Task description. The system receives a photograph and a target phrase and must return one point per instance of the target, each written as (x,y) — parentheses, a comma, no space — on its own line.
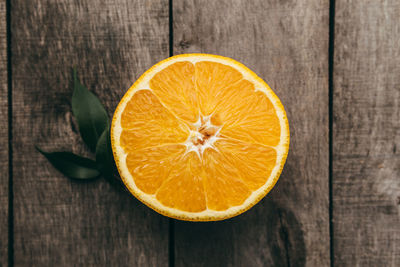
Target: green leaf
(90,114)
(71,165)
(104,155)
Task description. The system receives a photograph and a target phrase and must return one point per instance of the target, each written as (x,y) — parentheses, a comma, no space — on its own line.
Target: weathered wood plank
(285,42)
(59,222)
(3,137)
(366,136)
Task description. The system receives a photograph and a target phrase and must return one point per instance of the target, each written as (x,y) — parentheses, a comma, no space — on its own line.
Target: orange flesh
(157,122)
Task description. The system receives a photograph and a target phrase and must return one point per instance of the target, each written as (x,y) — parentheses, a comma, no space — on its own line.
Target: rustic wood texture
(59,222)
(366,136)
(286,43)
(3,137)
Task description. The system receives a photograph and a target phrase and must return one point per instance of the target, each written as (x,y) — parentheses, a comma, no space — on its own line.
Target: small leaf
(104,155)
(71,165)
(90,114)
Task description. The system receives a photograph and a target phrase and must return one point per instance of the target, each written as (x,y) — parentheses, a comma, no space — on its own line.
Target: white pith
(202,122)
(151,200)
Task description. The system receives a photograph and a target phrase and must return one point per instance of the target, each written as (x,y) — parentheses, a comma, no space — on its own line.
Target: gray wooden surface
(287,45)
(3,138)
(57,222)
(366,134)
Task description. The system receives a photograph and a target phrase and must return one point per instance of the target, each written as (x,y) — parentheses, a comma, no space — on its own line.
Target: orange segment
(223,186)
(212,80)
(184,188)
(151,166)
(175,86)
(248,115)
(252,161)
(146,123)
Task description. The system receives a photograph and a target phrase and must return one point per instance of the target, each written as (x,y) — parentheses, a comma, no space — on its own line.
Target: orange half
(200,137)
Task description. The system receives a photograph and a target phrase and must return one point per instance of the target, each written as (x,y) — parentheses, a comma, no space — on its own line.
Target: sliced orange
(200,137)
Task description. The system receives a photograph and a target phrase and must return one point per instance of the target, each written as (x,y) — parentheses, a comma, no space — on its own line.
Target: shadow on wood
(281,231)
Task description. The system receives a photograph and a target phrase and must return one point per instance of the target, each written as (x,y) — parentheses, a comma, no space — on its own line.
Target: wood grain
(366,136)
(59,222)
(3,137)
(286,43)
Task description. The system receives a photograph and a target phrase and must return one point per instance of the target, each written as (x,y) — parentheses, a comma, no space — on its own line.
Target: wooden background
(334,64)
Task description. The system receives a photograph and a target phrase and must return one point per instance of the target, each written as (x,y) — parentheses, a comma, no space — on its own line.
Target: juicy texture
(212,82)
(184,188)
(175,86)
(156,123)
(152,166)
(146,123)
